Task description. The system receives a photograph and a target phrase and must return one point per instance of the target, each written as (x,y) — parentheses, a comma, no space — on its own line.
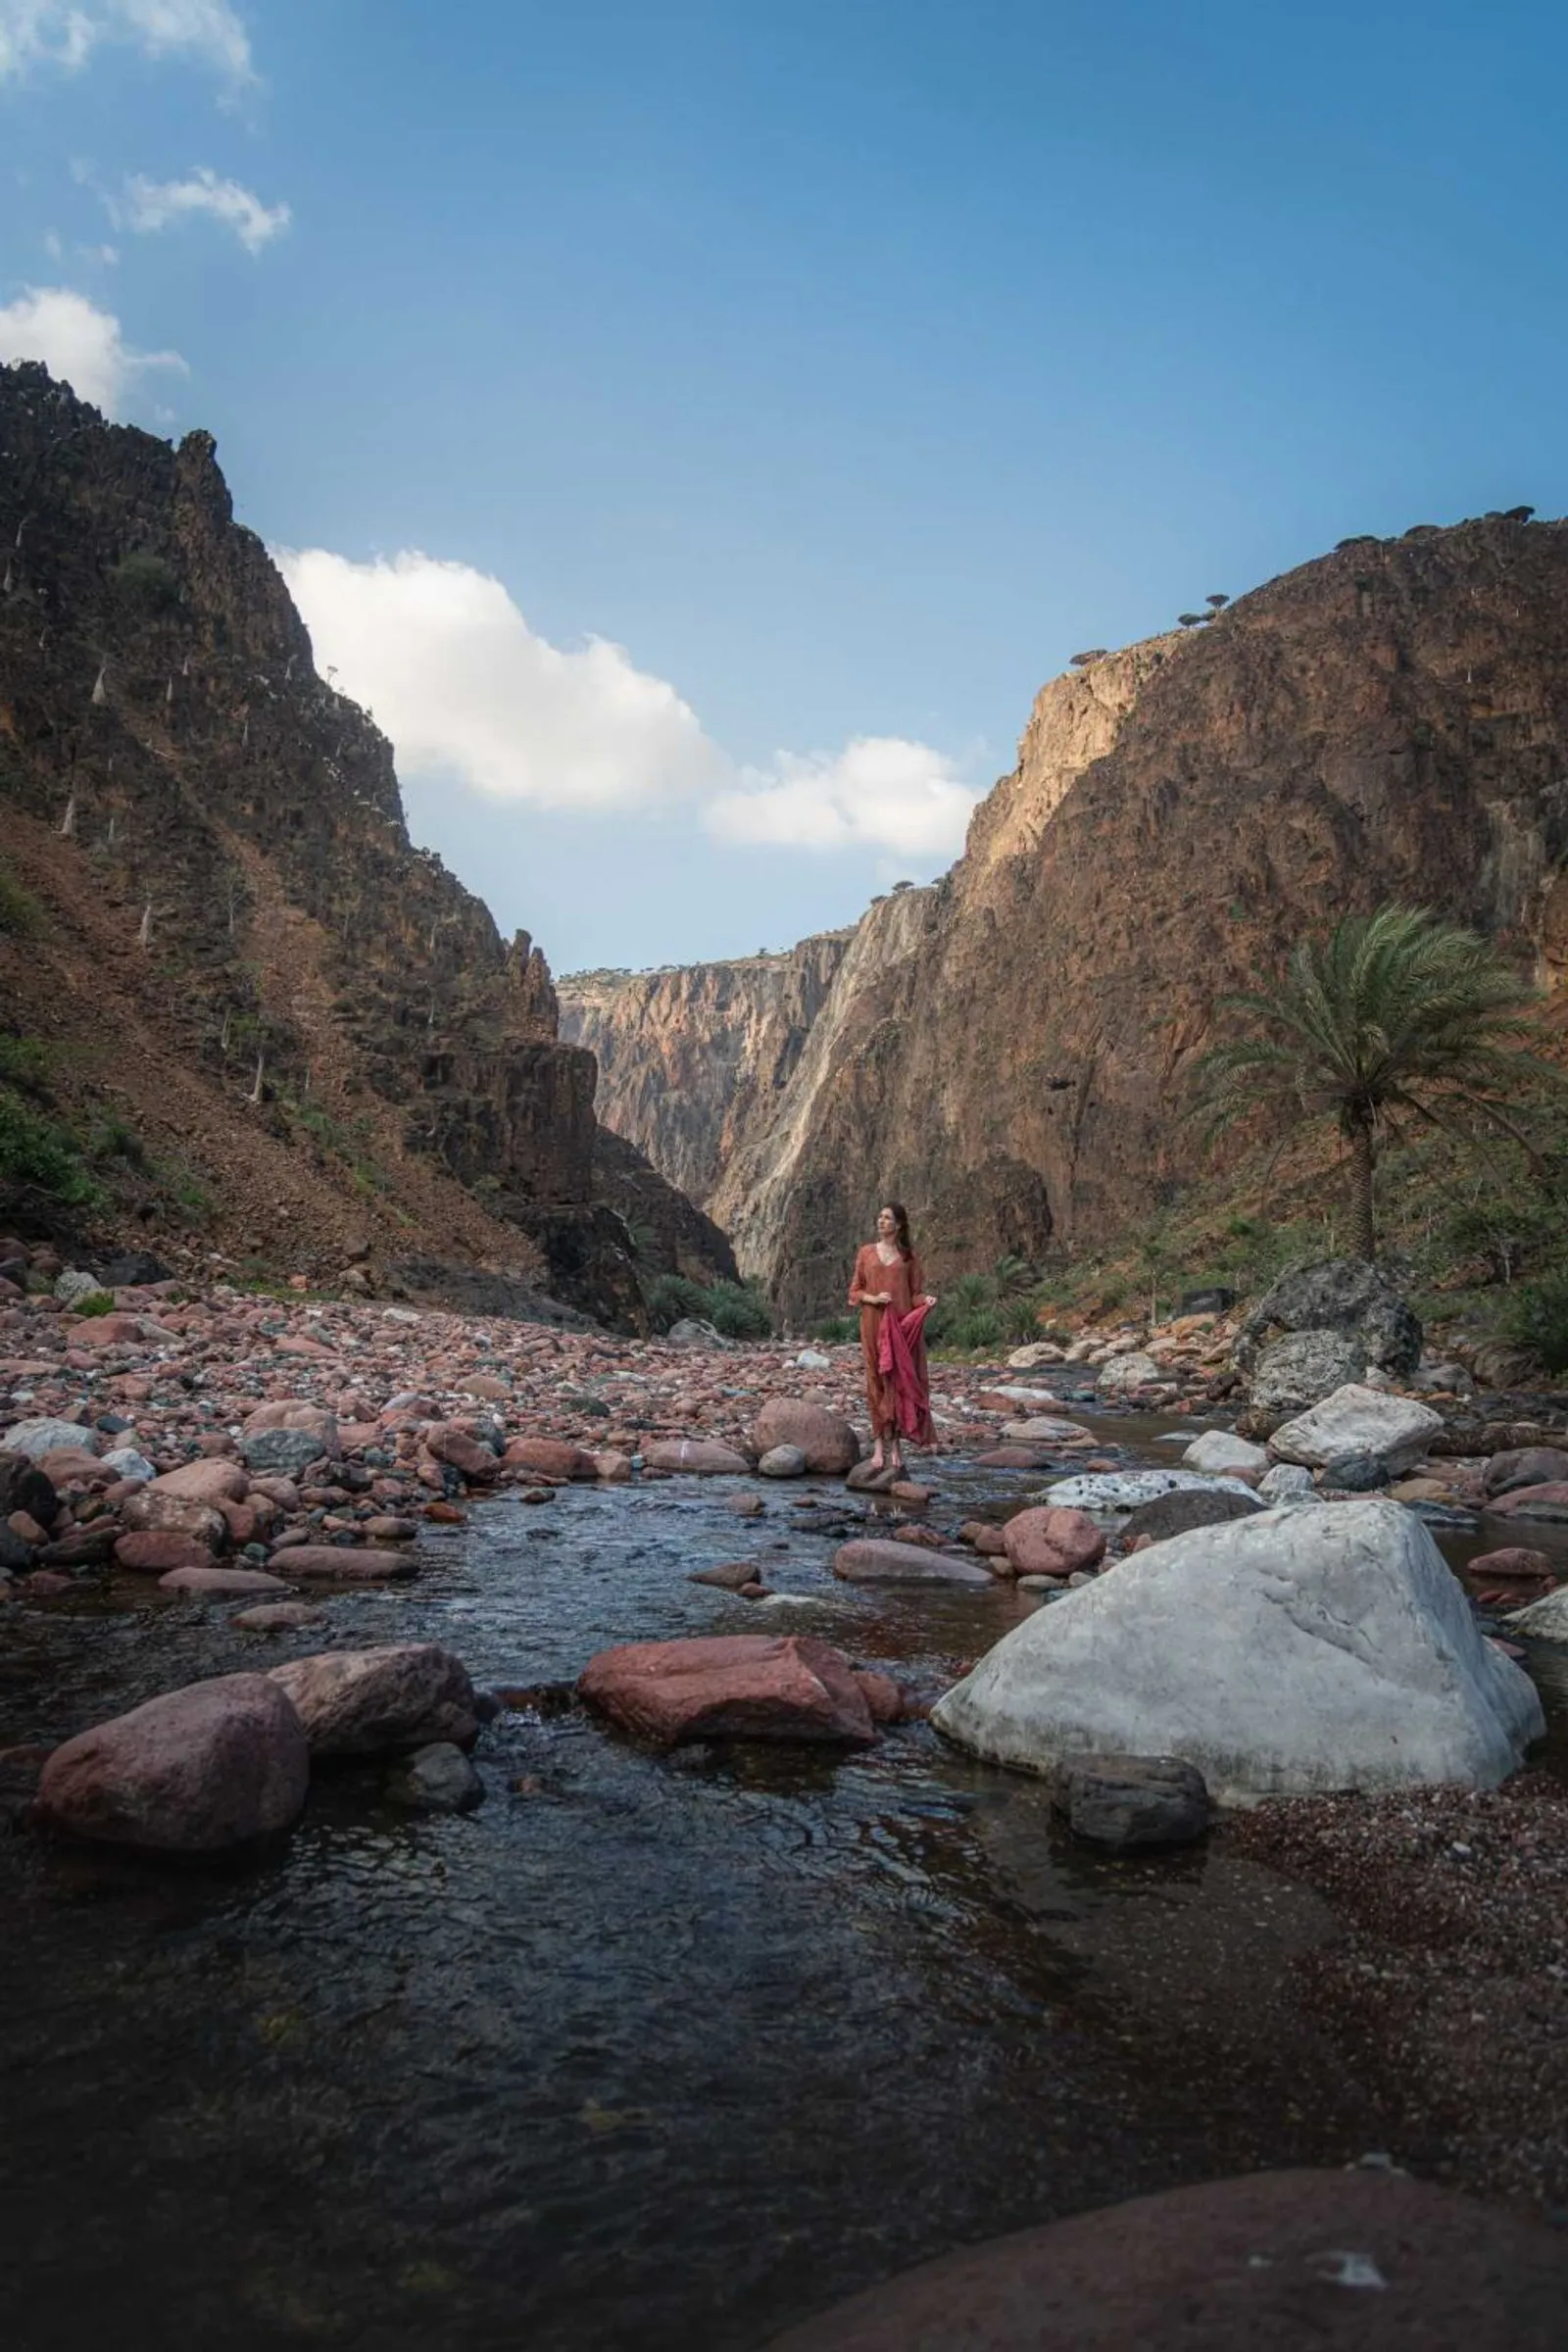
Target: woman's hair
(900,1227)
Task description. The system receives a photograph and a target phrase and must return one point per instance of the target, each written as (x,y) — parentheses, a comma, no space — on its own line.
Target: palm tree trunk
(1362,1230)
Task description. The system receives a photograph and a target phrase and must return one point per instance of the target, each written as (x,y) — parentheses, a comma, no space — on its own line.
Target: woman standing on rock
(889,1289)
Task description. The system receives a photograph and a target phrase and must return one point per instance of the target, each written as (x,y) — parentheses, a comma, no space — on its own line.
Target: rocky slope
(239,950)
(1012,1053)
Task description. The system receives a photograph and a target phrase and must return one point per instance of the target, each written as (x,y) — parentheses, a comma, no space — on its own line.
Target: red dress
(905,1282)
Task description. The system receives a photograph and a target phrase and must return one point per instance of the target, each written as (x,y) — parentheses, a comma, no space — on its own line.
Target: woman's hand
(929,1299)
(879,1297)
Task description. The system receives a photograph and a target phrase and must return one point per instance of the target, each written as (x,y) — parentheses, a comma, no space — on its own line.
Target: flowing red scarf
(901,1356)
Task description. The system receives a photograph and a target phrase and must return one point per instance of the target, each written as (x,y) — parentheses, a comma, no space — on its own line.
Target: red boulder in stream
(730,1686)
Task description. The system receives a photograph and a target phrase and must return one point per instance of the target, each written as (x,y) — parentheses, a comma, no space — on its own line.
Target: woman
(888,1280)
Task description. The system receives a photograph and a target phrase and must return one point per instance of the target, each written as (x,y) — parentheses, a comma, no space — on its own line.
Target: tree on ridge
(1397,1016)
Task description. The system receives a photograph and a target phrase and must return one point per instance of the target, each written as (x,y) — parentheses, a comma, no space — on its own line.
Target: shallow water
(650,2051)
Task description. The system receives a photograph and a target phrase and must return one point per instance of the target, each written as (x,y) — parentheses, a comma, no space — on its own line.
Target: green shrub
(148,583)
(19,912)
(34,1150)
(112,1138)
(1537,1318)
(839,1331)
(739,1310)
(24,1064)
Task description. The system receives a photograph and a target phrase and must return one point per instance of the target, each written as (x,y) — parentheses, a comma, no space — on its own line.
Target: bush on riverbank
(739,1310)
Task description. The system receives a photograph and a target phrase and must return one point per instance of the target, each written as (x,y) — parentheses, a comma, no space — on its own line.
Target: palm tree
(1397,1016)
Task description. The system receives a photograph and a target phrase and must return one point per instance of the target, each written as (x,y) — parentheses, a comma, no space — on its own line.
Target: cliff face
(161,715)
(691,1060)
(1010,1051)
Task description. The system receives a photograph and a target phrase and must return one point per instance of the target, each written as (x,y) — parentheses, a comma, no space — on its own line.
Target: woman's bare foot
(875,1465)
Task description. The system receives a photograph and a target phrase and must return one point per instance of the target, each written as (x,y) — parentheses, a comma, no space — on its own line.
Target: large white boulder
(1394,1431)
(1310,1648)
(1123,1374)
(1546,1619)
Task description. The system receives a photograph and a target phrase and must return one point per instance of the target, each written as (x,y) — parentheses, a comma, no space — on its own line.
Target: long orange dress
(905,1283)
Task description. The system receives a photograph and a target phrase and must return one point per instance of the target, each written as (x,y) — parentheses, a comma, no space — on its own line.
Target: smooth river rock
(1358,1422)
(827,1440)
(357,1702)
(193,1771)
(1311,1649)
(869,1560)
(1220,1450)
(1125,1490)
(735,1687)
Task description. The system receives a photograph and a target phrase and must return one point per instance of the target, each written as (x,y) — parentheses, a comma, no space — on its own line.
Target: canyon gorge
(1010,1050)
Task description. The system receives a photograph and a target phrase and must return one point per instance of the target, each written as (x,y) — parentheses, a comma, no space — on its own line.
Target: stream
(651,2050)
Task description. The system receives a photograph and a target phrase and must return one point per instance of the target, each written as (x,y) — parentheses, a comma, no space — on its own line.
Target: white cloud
(880,792)
(150,204)
(464,687)
(467,689)
(80,342)
(65,32)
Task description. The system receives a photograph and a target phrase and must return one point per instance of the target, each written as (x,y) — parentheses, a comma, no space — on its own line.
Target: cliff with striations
(218,840)
(1011,1053)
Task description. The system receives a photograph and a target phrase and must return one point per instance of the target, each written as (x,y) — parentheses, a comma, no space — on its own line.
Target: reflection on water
(651,2051)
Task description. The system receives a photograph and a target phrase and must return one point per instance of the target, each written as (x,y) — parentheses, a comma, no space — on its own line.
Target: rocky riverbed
(657,2045)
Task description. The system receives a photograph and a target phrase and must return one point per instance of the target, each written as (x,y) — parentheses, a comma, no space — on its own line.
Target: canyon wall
(695,1057)
(1012,1051)
(162,720)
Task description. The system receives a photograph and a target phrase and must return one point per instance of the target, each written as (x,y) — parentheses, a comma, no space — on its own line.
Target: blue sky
(697,427)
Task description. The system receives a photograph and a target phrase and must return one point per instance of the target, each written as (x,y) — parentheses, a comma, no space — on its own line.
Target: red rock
(1343,2261)
(1013,1458)
(197,1769)
(827,1440)
(613,1467)
(1047,1541)
(211,1481)
(113,1331)
(45,1582)
(379,1530)
(24,1524)
(735,1687)
(346,1563)
(159,1551)
(236,1582)
(1513,1560)
(446,1514)
(276,1616)
(982,1537)
(1551,1497)
(357,1702)
(72,1465)
(463,1453)
(914,1497)
(174,1514)
(884,1700)
(550,1457)
(869,1561)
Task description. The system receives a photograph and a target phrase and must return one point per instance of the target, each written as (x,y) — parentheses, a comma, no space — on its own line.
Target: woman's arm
(860,1293)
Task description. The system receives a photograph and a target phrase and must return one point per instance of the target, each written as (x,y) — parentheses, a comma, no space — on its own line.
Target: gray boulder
(1344,1294)
(693,1331)
(1292,1373)
(1188,1508)
(35,1439)
(1220,1450)
(1287,1482)
(1127,1802)
(1322,1646)
(1360,1432)
(285,1451)
(438,1779)
(782,1461)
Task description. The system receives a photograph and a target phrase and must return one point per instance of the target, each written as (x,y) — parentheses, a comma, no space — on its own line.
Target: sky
(697,428)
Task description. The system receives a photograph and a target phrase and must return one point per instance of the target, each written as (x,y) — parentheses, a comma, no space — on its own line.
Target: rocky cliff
(694,1059)
(218,841)
(1011,1052)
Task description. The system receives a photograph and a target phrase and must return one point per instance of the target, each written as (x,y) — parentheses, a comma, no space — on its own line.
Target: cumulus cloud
(80,342)
(65,32)
(467,690)
(150,204)
(881,792)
